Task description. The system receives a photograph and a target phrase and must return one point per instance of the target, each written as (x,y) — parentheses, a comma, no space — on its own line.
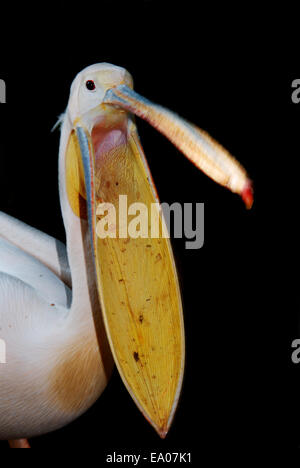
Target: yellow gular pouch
(137,279)
(139,292)
(75,184)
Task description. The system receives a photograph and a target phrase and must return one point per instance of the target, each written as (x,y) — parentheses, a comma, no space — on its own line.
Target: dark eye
(90,85)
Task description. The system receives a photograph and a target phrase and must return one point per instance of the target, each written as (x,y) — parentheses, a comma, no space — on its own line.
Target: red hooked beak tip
(247,194)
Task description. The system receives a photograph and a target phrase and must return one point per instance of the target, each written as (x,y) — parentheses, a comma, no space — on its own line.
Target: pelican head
(88,92)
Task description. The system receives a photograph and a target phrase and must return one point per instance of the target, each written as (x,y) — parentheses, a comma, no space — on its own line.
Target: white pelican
(58,306)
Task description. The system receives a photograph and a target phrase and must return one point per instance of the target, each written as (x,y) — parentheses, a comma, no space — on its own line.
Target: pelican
(67,314)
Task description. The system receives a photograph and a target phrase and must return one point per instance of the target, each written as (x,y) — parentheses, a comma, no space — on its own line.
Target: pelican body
(68,313)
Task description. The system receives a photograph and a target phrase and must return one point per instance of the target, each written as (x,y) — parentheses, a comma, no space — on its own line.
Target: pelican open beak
(136,275)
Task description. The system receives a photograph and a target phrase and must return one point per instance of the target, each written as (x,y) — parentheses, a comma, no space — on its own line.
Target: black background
(229,71)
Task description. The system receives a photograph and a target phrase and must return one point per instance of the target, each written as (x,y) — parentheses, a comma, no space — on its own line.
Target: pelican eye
(90,85)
